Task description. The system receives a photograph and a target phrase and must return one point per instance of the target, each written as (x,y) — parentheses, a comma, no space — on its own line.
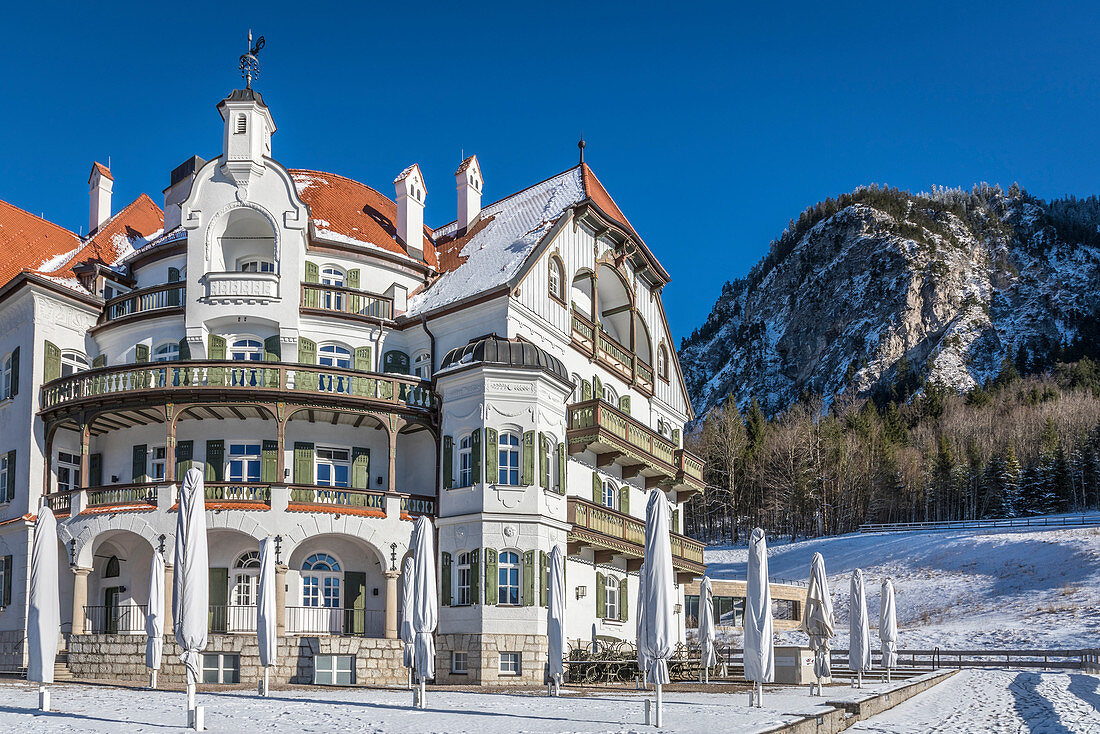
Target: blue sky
(711,124)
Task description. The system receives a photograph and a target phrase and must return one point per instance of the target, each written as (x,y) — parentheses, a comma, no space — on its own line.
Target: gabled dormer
(248,127)
(410,195)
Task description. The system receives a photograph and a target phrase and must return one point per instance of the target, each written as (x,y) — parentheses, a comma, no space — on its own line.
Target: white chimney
(469,183)
(178,190)
(410,197)
(100,183)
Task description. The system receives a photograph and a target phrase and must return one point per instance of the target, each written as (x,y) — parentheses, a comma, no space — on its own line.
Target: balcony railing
(242,287)
(122,494)
(347,301)
(335,621)
(340,496)
(60,502)
(232,618)
(594,341)
(237,492)
(416,505)
(144,300)
(625,535)
(109,383)
(121,619)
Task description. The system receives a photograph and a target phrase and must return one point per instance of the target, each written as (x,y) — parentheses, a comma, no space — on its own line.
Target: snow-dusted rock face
(885,285)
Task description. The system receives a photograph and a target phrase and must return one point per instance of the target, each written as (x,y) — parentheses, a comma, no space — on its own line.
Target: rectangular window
(5,379)
(459,662)
(5,574)
(244,462)
(510,663)
(463,589)
(465,463)
(221,667)
(508,460)
(157,456)
(334,670)
(68,471)
(4,481)
(333,466)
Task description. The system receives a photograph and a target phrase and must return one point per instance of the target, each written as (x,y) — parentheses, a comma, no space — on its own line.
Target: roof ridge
(512,196)
(40,218)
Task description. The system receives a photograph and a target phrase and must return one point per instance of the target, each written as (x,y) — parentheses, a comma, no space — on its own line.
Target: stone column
(80,599)
(169,586)
(280,600)
(391,604)
(392,485)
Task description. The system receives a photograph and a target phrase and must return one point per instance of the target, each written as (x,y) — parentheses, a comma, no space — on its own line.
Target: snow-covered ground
(109,709)
(999,702)
(960,589)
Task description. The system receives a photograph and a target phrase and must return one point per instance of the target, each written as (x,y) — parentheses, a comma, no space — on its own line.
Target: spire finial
(250,64)
(580,146)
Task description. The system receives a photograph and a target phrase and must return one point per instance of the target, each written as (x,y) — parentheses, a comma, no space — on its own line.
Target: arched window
(462,579)
(246,573)
(465,462)
(508,578)
(422,365)
(247,350)
(578,387)
(167,352)
(334,277)
(256,266)
(5,378)
(611,598)
(72,362)
(610,495)
(556,278)
(334,355)
(609,395)
(111,571)
(508,465)
(662,362)
(321,581)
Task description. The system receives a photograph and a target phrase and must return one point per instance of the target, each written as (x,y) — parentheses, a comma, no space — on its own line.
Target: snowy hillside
(881,287)
(956,589)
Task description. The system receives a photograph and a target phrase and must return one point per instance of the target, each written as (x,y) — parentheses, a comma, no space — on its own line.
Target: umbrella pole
(859,679)
(43,698)
(409,684)
(657,718)
(557,686)
(759,695)
(422,691)
(266,671)
(153,679)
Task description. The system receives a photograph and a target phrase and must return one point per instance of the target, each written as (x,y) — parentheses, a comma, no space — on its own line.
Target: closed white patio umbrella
(657,585)
(708,658)
(266,619)
(406,632)
(425,603)
(640,628)
(44,615)
(555,618)
(759,641)
(859,631)
(888,627)
(154,618)
(818,621)
(191,584)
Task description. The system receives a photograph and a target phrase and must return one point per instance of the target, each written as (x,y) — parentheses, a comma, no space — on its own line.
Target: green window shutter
(676,436)
(215,347)
(353,278)
(173,275)
(185,452)
(597,489)
(303,462)
(624,500)
(219,599)
(490,576)
(100,361)
(586,390)
(215,460)
(360,468)
(362,359)
(491,457)
(354,302)
(5,593)
(95,470)
(307,351)
(529,579)
(272,350)
(475,577)
(448,462)
(597,387)
(543,578)
(601,595)
(624,601)
(137,466)
(11,475)
(676,521)
(544,461)
(624,404)
(313,273)
(395,362)
(52,362)
(174,293)
(527,455)
(355,599)
(269,461)
(475,457)
(185,349)
(563,468)
(15,372)
(445,574)
(141,352)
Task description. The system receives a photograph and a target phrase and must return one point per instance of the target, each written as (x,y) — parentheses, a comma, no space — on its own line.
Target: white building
(338,368)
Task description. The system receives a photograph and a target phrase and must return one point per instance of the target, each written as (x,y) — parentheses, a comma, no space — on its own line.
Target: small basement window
(221,667)
(510,663)
(334,670)
(460,660)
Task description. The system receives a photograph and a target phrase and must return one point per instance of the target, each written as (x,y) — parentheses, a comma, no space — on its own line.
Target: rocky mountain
(882,290)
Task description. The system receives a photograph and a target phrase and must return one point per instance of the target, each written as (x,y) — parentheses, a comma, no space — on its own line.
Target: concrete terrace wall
(483,661)
(122,657)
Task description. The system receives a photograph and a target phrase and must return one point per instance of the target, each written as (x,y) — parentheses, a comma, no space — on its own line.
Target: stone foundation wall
(122,657)
(13,648)
(483,658)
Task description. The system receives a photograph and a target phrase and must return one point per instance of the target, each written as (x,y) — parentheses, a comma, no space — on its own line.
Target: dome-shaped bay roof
(497,350)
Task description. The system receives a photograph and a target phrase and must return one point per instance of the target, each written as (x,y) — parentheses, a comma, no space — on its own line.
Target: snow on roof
(491,254)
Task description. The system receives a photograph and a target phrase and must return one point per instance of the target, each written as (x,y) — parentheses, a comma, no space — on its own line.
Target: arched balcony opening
(243,259)
(116,594)
(337,585)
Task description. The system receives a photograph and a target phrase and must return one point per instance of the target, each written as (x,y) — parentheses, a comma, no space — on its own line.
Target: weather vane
(250,64)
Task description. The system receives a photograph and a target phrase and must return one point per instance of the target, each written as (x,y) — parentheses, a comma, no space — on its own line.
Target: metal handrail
(1008,522)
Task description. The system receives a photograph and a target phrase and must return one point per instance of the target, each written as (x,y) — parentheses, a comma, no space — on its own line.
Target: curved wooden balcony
(331,300)
(611,533)
(159,300)
(227,381)
(593,341)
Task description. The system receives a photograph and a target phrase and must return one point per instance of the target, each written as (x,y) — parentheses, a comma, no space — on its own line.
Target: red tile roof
(334,509)
(599,196)
(103,171)
(355,211)
(27,241)
(132,226)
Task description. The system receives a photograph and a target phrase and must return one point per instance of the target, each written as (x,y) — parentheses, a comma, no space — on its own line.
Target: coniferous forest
(1017,446)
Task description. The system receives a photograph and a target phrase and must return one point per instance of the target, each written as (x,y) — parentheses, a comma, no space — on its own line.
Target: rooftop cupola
(100,183)
(469,184)
(248,130)
(410,196)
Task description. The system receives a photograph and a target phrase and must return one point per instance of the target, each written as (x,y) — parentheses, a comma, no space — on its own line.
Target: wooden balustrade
(348,301)
(122,494)
(236,492)
(594,341)
(617,526)
(144,300)
(416,505)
